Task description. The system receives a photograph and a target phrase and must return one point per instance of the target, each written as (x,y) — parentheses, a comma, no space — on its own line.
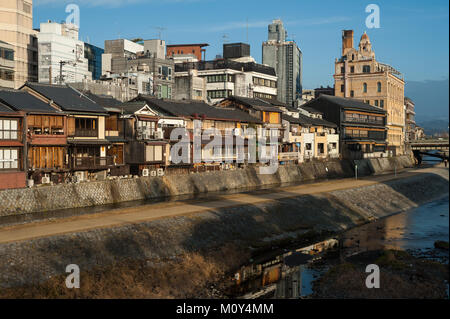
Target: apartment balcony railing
(92,162)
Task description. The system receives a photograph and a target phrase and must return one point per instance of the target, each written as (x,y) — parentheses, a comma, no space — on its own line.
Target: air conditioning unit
(160,172)
(159,135)
(79,176)
(145,172)
(30,183)
(153,173)
(45,179)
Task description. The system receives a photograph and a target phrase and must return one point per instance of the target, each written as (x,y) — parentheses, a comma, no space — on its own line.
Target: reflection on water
(290,276)
(417,229)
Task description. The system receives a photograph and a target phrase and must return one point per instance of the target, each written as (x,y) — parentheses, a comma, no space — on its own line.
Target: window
(26,8)
(9,158)
(366,68)
(308,146)
(86,127)
(7,75)
(379,87)
(342,88)
(7,54)
(264,82)
(376,102)
(219,94)
(342,70)
(352,69)
(218,78)
(264,96)
(365,87)
(382,103)
(9,130)
(352,93)
(165,73)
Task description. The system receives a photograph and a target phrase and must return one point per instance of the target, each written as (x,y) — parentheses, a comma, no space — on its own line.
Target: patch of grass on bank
(401,276)
(190,276)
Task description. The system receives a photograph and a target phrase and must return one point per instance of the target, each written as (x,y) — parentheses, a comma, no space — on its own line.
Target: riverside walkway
(119,217)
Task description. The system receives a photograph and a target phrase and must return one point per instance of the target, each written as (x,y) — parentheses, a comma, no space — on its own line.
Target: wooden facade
(12,149)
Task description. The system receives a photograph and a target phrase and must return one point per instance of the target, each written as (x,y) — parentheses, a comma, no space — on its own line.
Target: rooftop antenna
(247,29)
(160,30)
(225,38)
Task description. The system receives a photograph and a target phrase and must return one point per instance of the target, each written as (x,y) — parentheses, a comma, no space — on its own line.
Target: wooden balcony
(92,162)
(85,133)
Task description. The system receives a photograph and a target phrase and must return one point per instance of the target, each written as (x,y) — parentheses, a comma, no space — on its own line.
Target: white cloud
(105,3)
(264,23)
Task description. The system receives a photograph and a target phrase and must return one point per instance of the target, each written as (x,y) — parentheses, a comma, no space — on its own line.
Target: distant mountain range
(431,100)
(432,127)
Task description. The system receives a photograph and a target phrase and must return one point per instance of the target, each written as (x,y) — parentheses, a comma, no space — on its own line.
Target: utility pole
(50,75)
(61,63)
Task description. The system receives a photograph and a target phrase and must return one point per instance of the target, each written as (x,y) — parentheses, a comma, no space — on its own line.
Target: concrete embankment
(65,196)
(240,228)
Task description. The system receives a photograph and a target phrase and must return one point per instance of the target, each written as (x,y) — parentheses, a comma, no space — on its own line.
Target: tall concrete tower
(16,29)
(286,58)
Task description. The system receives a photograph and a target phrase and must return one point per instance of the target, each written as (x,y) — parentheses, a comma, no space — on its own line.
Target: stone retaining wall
(64,196)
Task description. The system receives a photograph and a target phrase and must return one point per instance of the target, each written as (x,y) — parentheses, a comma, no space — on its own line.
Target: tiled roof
(257,104)
(103,100)
(24,101)
(348,103)
(311,110)
(67,98)
(132,107)
(307,121)
(5,109)
(198,108)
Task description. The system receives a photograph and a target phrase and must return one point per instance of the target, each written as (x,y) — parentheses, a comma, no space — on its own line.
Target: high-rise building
(410,118)
(6,65)
(61,54)
(144,67)
(94,56)
(359,75)
(237,74)
(286,58)
(16,29)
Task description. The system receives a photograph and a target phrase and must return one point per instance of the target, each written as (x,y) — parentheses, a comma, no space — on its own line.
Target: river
(415,231)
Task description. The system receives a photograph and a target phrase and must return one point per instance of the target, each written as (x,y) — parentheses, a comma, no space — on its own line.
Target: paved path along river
(118,217)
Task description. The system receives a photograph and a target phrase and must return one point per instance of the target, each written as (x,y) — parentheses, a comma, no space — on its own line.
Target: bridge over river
(429,148)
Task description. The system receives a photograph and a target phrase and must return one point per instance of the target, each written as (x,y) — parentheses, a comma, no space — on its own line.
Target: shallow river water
(415,231)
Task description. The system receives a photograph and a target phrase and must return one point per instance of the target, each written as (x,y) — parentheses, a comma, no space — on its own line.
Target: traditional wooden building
(46,136)
(362,127)
(87,145)
(12,148)
(114,133)
(224,120)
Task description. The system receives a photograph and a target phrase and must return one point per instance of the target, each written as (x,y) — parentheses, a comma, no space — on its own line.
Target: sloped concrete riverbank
(206,245)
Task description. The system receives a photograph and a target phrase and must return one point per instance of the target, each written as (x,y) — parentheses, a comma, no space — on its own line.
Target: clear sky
(414,35)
